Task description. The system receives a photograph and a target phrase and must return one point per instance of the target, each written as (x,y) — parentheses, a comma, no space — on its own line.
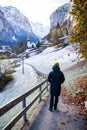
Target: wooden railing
(22,99)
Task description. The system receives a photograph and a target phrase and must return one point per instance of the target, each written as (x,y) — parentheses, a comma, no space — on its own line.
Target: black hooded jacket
(56,78)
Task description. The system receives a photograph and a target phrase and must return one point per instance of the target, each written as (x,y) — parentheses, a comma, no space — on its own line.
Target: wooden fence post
(24,105)
(40,88)
(47,86)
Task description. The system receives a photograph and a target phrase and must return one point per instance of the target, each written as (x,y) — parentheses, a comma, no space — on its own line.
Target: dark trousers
(53,101)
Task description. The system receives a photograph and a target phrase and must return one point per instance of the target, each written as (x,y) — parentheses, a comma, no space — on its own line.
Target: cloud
(53,1)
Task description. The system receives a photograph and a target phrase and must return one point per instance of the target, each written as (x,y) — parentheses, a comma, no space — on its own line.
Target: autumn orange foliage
(80,98)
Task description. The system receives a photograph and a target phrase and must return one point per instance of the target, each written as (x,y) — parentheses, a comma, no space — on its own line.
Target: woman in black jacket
(56,78)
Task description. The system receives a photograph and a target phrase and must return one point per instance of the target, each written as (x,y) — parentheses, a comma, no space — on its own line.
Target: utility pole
(28,43)
(22,65)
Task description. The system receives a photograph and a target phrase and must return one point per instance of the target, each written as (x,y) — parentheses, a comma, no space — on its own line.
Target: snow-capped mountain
(15,26)
(16,18)
(39,29)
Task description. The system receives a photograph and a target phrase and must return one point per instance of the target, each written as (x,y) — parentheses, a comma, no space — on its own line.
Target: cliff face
(61,17)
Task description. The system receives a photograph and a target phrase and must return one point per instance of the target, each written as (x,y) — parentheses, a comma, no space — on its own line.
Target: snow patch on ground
(44,61)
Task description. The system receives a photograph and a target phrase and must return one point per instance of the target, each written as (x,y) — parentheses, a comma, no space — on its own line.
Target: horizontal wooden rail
(13,103)
(8,106)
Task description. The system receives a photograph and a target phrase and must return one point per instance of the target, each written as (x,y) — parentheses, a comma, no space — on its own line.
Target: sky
(35,10)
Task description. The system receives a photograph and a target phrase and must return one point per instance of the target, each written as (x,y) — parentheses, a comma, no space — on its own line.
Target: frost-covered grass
(72,76)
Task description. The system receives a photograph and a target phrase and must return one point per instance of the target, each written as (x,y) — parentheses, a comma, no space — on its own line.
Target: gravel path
(66,119)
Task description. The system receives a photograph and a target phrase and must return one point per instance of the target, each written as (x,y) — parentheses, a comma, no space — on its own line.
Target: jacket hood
(56,68)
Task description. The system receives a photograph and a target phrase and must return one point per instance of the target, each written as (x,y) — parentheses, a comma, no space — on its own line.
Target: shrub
(4,79)
(10,71)
(3,57)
